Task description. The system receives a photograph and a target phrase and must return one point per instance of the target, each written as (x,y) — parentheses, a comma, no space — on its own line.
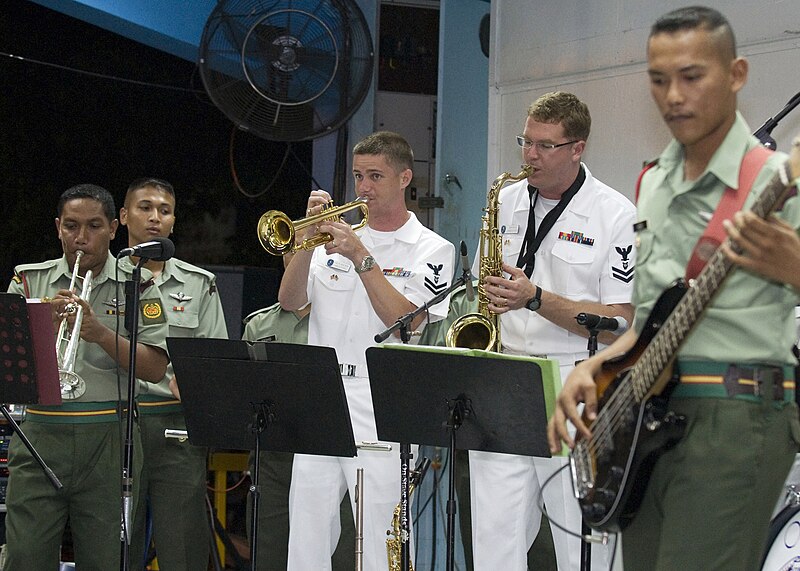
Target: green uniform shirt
(92,363)
(275,324)
(193,309)
(751,319)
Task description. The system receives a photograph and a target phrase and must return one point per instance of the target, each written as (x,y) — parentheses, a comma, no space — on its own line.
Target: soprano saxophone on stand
(397,536)
(482,330)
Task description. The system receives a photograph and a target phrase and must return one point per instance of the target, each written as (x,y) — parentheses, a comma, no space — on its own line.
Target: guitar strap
(731,202)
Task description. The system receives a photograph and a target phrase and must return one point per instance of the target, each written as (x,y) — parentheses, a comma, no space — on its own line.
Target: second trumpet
(276,232)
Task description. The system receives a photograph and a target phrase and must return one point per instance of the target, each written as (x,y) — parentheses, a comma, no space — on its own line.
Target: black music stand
(496,403)
(28,367)
(280,397)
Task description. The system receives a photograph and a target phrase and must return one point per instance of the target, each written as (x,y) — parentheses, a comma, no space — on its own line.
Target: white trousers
(319,483)
(506,492)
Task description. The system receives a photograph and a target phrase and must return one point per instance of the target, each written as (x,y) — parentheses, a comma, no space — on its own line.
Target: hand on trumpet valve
(318,200)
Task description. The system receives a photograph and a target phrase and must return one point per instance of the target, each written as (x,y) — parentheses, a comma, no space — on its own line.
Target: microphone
(158,249)
(602,323)
(467,273)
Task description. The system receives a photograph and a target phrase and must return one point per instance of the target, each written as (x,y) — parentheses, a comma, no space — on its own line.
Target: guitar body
(642,429)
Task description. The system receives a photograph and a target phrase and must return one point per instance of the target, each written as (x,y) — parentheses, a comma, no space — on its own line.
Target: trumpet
(276,232)
(71,384)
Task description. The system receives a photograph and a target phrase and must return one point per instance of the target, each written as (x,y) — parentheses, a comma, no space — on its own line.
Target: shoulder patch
(434,282)
(621,264)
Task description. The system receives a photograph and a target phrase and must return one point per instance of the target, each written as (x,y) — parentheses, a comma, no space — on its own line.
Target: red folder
(28,363)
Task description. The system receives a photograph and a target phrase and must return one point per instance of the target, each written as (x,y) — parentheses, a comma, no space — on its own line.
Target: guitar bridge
(581,470)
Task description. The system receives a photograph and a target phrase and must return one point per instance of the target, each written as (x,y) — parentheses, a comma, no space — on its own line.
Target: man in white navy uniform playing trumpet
(567,249)
(359,284)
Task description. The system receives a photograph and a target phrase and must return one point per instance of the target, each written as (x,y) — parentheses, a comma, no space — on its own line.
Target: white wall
(596,49)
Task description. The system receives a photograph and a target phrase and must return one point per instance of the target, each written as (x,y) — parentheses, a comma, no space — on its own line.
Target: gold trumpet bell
(472,331)
(276,233)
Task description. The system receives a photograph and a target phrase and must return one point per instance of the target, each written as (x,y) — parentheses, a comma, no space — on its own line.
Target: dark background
(60,127)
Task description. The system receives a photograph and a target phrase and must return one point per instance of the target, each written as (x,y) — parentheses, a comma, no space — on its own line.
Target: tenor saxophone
(482,330)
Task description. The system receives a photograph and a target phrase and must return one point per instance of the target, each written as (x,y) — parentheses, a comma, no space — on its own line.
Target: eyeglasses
(526,144)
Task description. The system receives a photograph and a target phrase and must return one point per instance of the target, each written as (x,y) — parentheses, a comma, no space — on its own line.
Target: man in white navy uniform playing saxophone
(583,264)
(359,284)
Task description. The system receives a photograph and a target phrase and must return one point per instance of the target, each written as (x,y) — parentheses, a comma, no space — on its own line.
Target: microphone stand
(402,324)
(132,324)
(763,133)
(586,531)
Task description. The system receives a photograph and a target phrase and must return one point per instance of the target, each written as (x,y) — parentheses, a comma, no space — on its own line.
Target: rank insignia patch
(152,312)
(623,269)
(435,284)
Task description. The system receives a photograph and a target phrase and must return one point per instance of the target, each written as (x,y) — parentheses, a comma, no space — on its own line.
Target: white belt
(562,358)
(349,370)
(567,358)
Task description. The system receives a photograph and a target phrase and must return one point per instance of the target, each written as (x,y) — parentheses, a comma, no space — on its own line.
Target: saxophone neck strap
(534,237)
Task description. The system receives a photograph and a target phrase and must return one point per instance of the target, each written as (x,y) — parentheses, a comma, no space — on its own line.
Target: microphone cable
(603,539)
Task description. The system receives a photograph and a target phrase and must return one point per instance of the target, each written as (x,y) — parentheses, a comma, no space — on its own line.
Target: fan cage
(287,70)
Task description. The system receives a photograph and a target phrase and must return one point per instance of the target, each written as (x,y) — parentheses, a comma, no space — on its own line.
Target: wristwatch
(535,302)
(366,264)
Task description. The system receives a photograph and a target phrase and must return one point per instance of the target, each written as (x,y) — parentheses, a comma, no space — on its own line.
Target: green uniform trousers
(173,488)
(87,460)
(710,498)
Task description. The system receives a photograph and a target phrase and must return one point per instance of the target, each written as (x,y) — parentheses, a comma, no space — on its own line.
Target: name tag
(339,263)
(510,229)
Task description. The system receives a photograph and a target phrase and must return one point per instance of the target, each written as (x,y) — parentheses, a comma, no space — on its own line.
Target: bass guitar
(634,425)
